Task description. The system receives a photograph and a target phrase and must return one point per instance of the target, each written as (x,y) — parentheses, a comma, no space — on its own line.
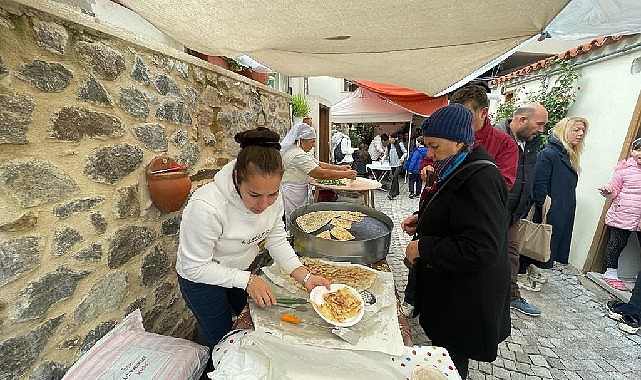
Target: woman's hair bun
(260,136)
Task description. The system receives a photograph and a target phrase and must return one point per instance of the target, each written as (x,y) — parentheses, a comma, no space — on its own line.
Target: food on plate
(334,182)
(340,305)
(341,234)
(324,235)
(356,276)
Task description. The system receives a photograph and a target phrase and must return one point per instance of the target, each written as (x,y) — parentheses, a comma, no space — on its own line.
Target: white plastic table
(379,170)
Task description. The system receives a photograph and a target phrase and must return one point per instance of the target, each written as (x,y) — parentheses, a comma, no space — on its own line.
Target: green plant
(236,66)
(505,111)
(355,137)
(556,97)
(300,108)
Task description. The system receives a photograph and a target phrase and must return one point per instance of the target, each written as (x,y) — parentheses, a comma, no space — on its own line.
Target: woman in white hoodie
(221,227)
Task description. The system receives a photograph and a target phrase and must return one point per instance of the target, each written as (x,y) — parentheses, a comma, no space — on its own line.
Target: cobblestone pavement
(572,339)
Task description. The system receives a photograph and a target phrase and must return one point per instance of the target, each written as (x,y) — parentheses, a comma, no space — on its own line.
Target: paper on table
(379,329)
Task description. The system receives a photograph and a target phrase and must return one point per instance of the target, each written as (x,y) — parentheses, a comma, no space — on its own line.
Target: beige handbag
(534,238)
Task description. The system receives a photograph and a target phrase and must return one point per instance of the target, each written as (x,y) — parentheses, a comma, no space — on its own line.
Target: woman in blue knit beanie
(459,250)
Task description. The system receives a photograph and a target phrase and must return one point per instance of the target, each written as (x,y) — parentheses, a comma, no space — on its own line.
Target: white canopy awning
(428,46)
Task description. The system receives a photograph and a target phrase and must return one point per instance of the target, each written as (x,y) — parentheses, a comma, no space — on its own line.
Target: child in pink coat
(624,215)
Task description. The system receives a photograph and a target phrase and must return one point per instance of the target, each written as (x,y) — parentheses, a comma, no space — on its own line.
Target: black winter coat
(519,197)
(463,273)
(556,177)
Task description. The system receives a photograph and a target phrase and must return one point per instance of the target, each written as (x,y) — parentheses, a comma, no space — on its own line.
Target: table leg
(316,194)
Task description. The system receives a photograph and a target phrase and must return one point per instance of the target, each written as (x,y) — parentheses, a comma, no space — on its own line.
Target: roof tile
(568,54)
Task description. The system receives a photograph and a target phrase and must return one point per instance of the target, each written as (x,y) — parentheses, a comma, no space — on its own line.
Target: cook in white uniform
(300,164)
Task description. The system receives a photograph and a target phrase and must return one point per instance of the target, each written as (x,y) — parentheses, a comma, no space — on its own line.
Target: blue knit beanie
(452,122)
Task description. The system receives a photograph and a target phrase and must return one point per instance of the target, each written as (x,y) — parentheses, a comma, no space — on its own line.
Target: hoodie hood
(224,182)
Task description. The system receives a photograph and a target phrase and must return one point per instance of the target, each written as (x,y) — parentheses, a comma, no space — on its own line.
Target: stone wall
(82,112)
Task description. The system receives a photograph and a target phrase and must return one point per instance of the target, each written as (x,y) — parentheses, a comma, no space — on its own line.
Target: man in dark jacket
(528,122)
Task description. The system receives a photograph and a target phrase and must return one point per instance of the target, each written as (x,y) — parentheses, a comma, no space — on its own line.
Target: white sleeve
(346,146)
(200,229)
(278,246)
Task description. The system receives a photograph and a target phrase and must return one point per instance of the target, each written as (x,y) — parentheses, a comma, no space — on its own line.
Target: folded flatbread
(313,221)
(341,234)
(324,235)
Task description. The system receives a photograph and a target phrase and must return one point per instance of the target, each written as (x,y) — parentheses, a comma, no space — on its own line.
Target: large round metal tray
(372,235)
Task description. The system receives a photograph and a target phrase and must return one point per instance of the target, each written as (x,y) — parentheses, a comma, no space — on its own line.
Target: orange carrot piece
(290,318)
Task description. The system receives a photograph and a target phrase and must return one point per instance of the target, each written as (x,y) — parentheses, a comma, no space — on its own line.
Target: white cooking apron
(295,195)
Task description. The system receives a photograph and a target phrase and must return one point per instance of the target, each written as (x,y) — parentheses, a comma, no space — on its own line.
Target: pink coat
(625,210)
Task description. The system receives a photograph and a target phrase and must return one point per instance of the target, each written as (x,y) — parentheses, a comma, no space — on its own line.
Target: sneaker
(528,283)
(536,274)
(614,309)
(520,304)
(407,309)
(629,323)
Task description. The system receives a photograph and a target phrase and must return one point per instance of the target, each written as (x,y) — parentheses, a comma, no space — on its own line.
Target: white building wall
(607,97)
(328,88)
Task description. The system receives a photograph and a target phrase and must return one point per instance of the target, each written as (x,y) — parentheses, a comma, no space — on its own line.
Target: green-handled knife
(292,301)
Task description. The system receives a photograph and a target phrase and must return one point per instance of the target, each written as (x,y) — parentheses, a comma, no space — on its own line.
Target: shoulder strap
(473,163)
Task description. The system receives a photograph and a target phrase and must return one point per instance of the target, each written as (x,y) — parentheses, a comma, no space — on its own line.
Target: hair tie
(260,141)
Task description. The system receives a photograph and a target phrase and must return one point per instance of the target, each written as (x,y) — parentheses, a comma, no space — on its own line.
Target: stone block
(18,256)
(111,164)
(16,111)
(152,136)
(102,60)
(45,76)
(94,92)
(75,123)
(77,205)
(127,242)
(105,295)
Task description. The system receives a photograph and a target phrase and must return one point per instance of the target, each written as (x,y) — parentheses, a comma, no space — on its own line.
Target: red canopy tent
(412,100)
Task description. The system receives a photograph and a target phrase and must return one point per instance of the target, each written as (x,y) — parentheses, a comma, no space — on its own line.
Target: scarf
(446,166)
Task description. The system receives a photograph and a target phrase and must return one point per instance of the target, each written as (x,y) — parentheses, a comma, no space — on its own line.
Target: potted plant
(300,108)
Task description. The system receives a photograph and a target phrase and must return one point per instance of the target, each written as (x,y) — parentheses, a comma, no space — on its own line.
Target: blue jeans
(212,305)
(416,184)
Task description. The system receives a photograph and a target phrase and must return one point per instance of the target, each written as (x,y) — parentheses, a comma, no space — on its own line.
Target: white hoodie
(219,235)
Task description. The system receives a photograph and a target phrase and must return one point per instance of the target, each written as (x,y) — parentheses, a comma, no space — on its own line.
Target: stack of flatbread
(356,276)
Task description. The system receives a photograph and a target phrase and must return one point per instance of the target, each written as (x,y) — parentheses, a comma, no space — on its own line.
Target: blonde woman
(556,174)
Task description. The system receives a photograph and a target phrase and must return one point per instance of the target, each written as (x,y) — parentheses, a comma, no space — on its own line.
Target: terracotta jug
(168,190)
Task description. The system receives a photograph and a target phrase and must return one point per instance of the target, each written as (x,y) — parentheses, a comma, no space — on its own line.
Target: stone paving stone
(539,360)
(522,357)
(485,367)
(542,372)
(500,373)
(476,376)
(523,367)
(547,352)
(557,374)
(556,363)
(573,335)
(510,365)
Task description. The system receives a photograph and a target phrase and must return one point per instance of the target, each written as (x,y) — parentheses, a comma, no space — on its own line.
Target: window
(349,86)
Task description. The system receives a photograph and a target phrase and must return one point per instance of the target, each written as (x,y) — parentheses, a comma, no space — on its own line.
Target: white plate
(316,296)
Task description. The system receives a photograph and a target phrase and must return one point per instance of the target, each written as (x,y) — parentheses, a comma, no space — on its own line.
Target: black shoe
(614,309)
(629,323)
